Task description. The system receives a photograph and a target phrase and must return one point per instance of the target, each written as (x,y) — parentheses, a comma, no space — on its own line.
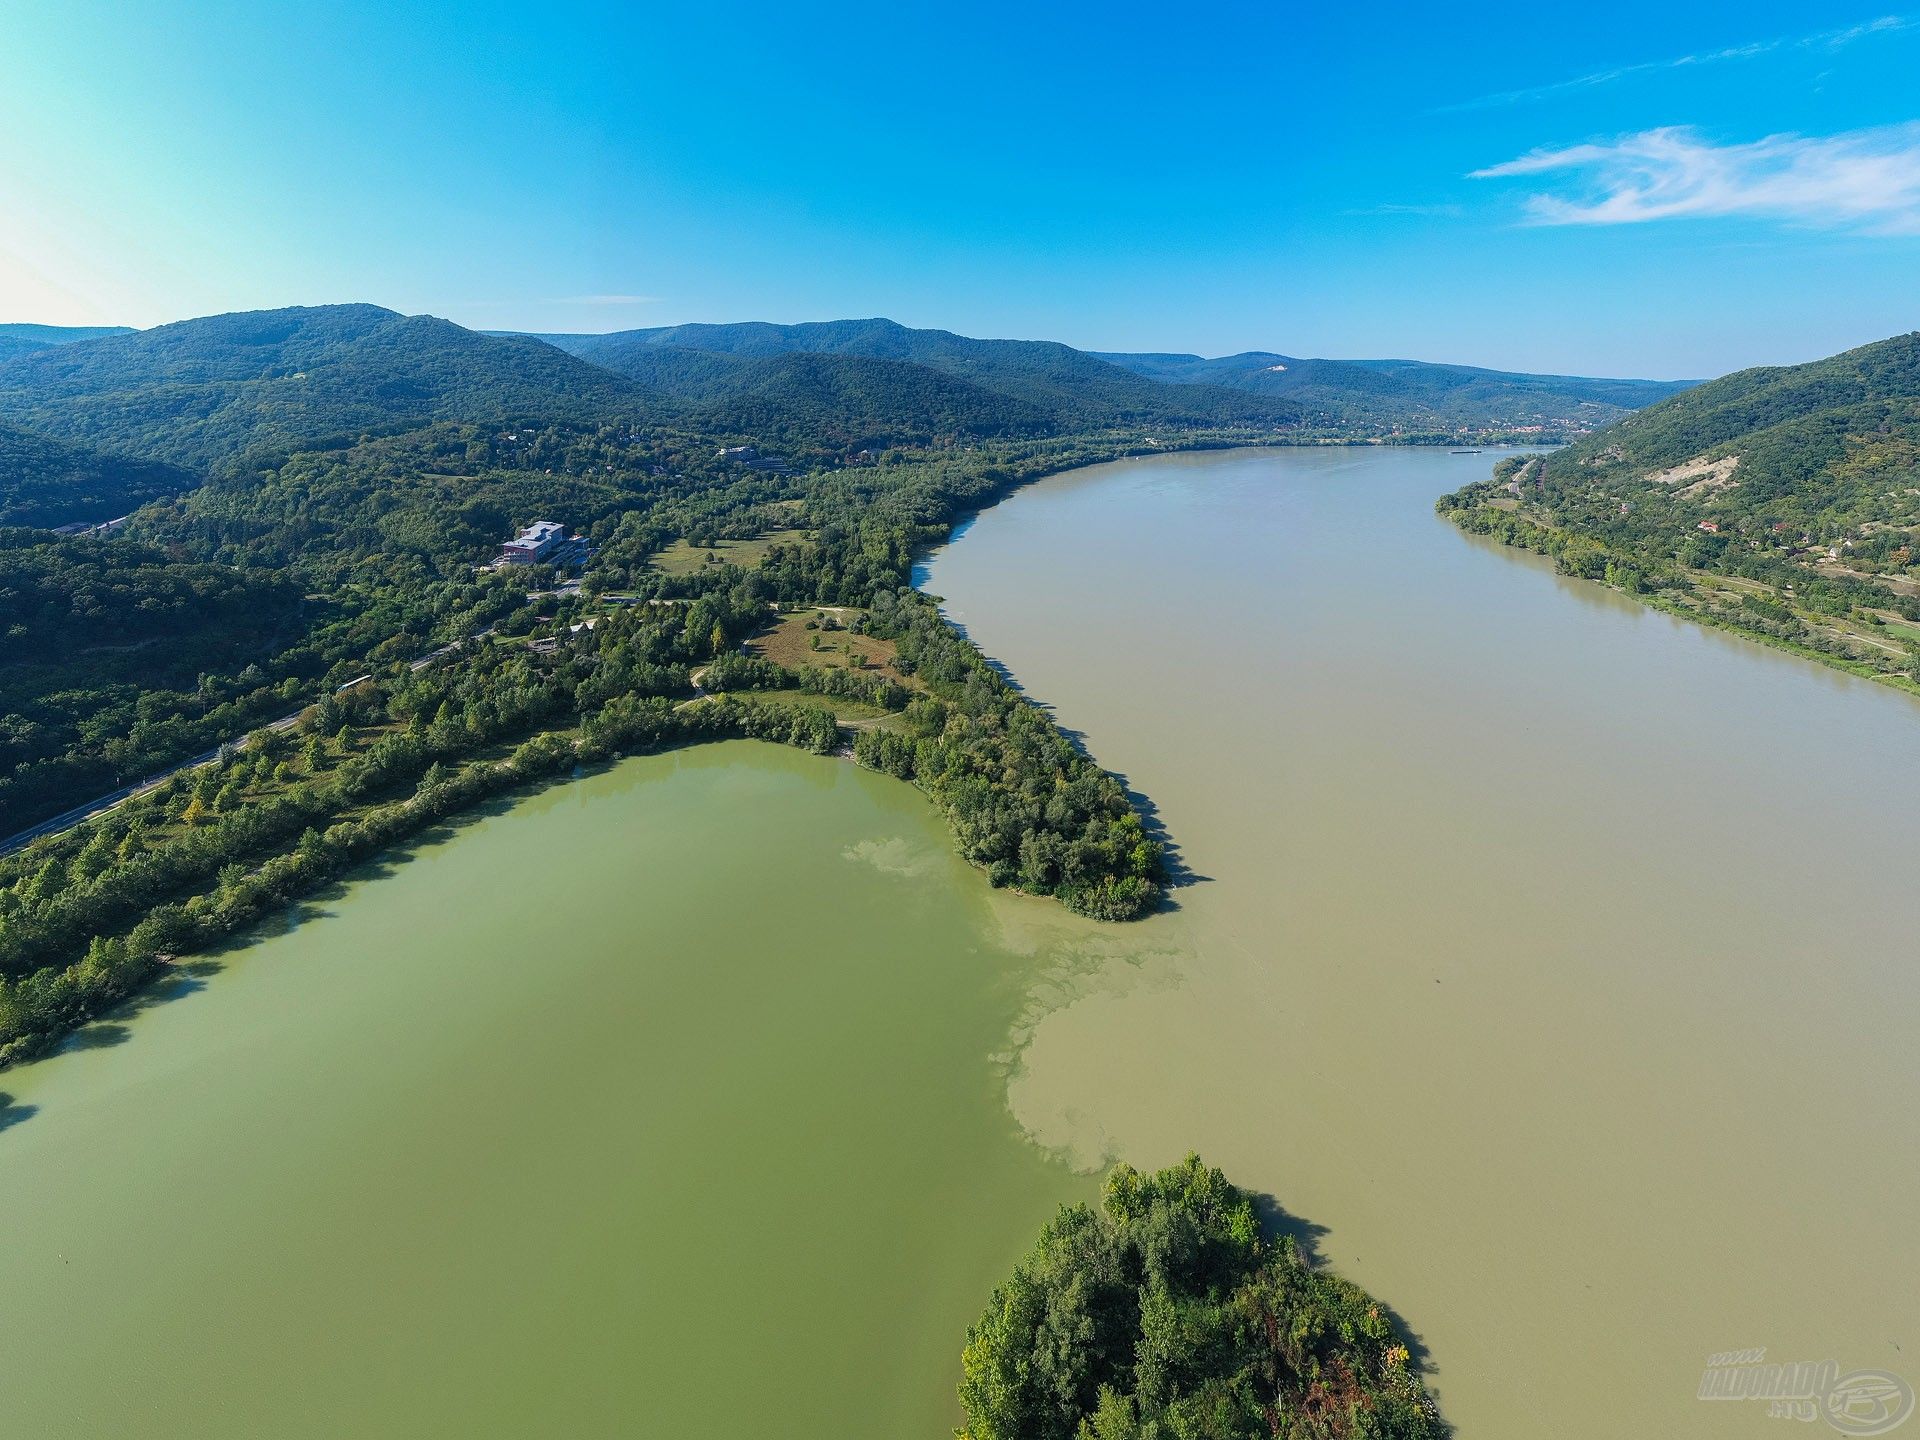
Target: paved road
(68,819)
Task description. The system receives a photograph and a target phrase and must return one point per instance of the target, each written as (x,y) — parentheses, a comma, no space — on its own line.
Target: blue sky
(1647,189)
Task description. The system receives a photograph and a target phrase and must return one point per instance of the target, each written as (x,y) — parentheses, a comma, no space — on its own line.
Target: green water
(664,1103)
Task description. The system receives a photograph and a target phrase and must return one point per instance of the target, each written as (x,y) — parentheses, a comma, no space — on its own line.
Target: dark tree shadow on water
(1179,873)
(114,1027)
(12,1113)
(97,1035)
(1279,1222)
(190,974)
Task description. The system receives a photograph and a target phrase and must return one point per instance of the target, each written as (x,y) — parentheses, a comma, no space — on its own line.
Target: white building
(534,544)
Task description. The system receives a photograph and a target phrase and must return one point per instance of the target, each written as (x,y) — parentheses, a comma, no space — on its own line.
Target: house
(1712,527)
(750,455)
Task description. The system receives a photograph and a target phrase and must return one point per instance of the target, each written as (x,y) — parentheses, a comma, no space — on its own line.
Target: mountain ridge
(1384,395)
(1072,386)
(210,391)
(1781,501)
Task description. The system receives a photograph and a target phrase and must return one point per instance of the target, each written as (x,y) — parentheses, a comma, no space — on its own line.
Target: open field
(790,642)
(681,558)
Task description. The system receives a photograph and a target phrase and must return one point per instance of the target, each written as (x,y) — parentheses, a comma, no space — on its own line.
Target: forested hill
(1791,431)
(49,483)
(211,393)
(1412,393)
(1069,387)
(1784,462)
(1361,397)
(25,339)
(1800,484)
(845,401)
(202,393)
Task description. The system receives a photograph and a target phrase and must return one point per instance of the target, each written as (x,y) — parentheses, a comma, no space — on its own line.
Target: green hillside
(433,502)
(117,658)
(1783,501)
(201,393)
(1070,387)
(47,483)
(852,401)
(1413,393)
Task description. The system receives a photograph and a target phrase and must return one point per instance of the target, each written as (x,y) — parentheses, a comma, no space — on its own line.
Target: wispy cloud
(605,300)
(1867,180)
(1827,40)
(1389,208)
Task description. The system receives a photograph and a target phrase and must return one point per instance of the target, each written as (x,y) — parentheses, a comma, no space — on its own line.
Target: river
(1547,959)
(1551,960)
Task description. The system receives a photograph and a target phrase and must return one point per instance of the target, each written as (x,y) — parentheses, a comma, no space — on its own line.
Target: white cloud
(1818,40)
(1866,180)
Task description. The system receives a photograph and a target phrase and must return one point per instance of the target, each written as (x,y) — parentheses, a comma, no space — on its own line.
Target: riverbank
(1751,608)
(77,935)
(90,915)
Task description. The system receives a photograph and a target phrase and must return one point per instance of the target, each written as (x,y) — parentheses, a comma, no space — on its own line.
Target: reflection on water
(1557,956)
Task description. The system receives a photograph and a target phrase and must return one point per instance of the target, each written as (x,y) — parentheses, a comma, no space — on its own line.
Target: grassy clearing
(790,641)
(681,558)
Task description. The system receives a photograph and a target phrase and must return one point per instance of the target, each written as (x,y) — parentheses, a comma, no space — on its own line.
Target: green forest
(1167,1314)
(46,483)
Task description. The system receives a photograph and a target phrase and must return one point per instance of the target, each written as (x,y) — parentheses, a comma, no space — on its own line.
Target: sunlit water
(1555,957)
(662,1104)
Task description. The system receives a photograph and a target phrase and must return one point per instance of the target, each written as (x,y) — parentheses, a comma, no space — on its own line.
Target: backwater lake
(1548,960)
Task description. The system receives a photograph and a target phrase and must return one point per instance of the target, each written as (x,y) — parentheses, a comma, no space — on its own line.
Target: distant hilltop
(207,396)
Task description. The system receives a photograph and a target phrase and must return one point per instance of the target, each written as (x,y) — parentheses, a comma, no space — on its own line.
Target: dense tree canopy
(1166,1315)
(47,483)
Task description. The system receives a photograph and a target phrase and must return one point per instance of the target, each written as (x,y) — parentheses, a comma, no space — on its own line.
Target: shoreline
(1535,537)
(101,964)
(104,981)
